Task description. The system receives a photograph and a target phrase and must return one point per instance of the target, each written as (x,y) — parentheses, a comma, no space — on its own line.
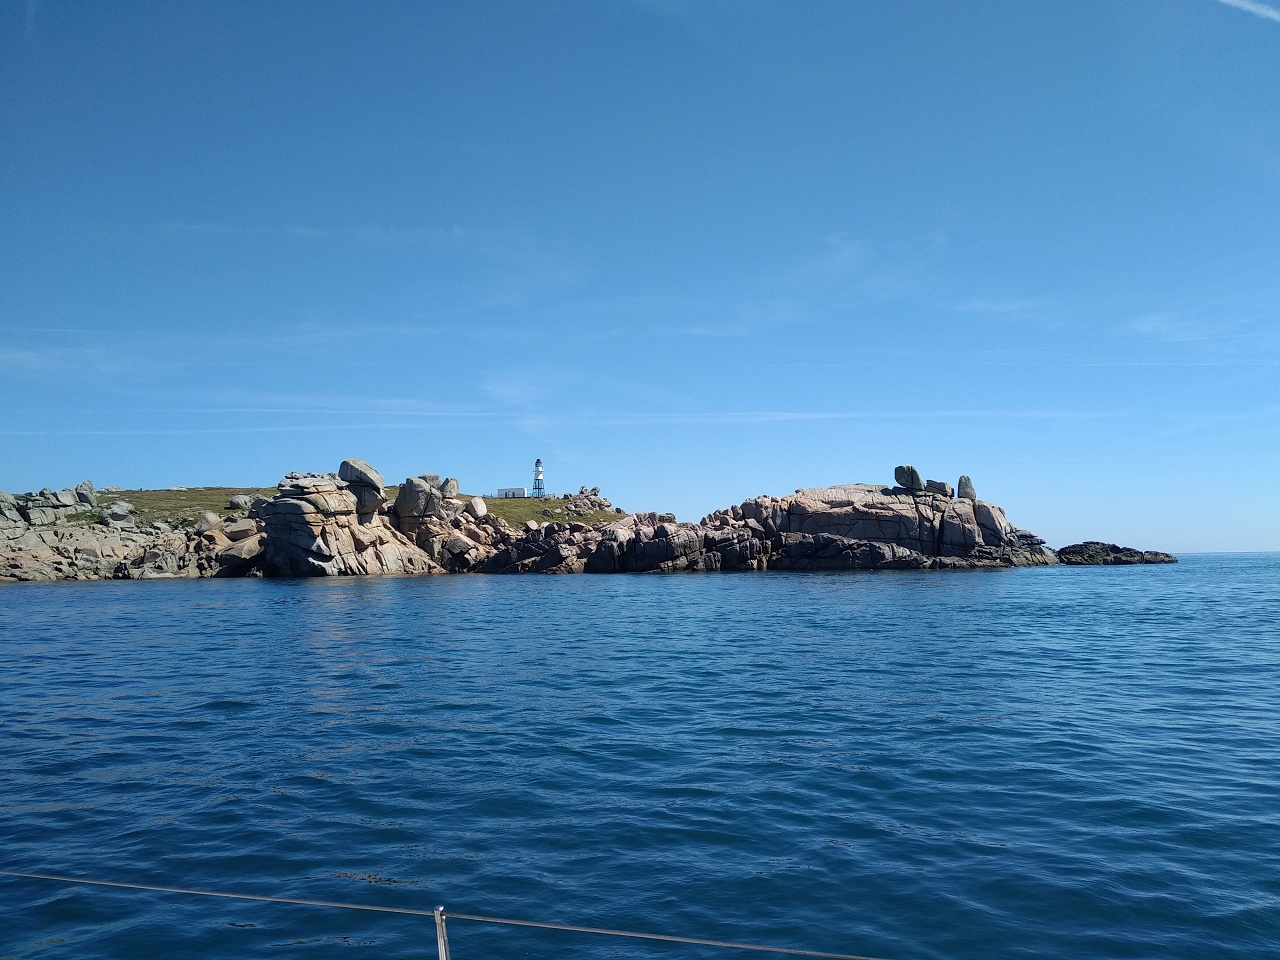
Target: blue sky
(689,252)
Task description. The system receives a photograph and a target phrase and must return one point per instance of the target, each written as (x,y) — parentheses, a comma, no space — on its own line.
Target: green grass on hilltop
(179,507)
(517,510)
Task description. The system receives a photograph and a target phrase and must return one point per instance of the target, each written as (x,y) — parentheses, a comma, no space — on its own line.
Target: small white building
(512,493)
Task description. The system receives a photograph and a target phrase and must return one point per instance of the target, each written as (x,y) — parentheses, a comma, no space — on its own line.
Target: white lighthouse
(539,489)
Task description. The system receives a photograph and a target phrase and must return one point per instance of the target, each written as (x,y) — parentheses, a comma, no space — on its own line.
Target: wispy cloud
(802,416)
(1046,361)
(840,256)
(605,419)
(524,268)
(68,363)
(441,237)
(203,431)
(1254,7)
(998,307)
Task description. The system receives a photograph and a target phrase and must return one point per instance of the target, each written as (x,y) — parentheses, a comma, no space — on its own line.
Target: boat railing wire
(440,916)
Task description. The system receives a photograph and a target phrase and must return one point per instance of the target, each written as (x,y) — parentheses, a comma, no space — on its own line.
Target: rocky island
(348,523)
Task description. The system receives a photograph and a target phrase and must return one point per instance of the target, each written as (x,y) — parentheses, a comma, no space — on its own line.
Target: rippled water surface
(1057,762)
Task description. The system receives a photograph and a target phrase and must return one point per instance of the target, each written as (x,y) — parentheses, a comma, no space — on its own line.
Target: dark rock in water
(1095,552)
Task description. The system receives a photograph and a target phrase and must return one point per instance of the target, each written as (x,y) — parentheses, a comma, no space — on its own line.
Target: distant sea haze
(1041,762)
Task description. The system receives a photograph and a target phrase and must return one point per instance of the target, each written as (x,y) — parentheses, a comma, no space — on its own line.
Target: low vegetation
(180,507)
(517,510)
(175,507)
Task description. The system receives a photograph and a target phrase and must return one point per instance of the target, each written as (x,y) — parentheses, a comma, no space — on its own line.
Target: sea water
(1077,762)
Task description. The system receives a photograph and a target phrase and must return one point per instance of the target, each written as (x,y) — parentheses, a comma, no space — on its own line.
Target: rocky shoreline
(347,524)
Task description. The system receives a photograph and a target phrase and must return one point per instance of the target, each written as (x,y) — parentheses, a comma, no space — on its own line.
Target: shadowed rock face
(908,477)
(1095,552)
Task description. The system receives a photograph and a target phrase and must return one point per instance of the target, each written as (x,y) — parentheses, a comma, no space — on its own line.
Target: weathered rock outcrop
(908,477)
(586,502)
(458,536)
(1095,552)
(854,526)
(69,553)
(334,526)
(51,535)
(84,542)
(46,507)
(341,524)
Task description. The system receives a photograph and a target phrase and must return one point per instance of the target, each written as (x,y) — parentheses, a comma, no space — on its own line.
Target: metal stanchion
(442,938)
